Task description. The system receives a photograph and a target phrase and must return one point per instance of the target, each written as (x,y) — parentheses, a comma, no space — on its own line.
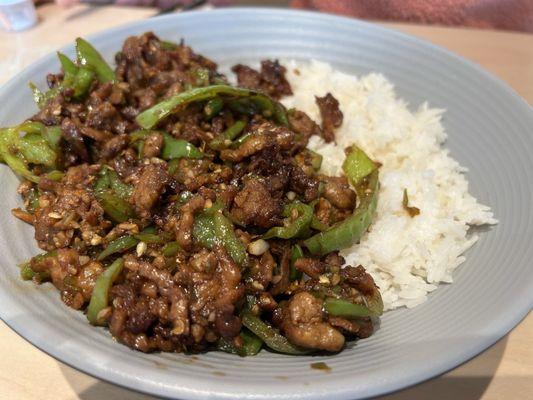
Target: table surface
(503,371)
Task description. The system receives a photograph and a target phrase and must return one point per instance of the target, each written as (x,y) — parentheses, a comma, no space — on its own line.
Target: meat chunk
(309,266)
(264,135)
(152,182)
(114,146)
(339,193)
(254,205)
(186,221)
(303,184)
(301,123)
(331,115)
(271,80)
(358,278)
(72,135)
(153,145)
(304,326)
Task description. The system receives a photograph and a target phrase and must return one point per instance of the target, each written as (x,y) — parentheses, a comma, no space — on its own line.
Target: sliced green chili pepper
(213,107)
(69,68)
(374,302)
(102,183)
(140,134)
(166,45)
(200,76)
(118,245)
(296,253)
(53,135)
(152,237)
(357,166)
(251,344)
(38,96)
(345,309)
(223,229)
(316,160)
(109,179)
(293,228)
(149,118)
(223,140)
(178,148)
(100,295)
(350,230)
(204,230)
(122,190)
(117,209)
(90,57)
(26,273)
(364,176)
(82,81)
(36,150)
(269,335)
(9,140)
(412,211)
(55,175)
(33,200)
(238,142)
(317,224)
(170,249)
(67,65)
(212,228)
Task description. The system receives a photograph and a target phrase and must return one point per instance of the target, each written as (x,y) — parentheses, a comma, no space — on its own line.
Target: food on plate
(187,214)
(285,211)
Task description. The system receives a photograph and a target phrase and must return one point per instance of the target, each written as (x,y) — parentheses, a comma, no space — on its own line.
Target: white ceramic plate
(489,129)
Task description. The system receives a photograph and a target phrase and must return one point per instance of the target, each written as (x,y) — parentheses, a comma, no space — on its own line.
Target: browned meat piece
(338,192)
(267,302)
(304,326)
(334,261)
(114,146)
(186,221)
(140,317)
(254,205)
(270,80)
(366,328)
(153,145)
(51,113)
(264,135)
(359,278)
(301,123)
(247,77)
(273,74)
(23,215)
(309,266)
(346,326)
(261,272)
(95,134)
(331,115)
(303,184)
(72,135)
(86,278)
(152,183)
(282,281)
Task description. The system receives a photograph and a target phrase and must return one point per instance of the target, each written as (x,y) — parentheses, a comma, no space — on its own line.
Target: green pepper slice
(100,295)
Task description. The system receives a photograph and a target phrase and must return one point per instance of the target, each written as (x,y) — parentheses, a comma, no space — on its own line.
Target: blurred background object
(492,14)
(515,15)
(17,15)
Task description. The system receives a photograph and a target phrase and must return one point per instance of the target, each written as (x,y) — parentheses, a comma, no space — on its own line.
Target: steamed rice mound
(408,257)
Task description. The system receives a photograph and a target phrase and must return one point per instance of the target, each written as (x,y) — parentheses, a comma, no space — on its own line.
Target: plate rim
(151,388)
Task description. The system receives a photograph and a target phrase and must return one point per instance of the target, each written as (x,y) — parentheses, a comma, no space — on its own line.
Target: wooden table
(503,371)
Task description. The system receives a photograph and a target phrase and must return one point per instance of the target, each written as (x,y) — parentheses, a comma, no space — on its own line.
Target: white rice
(408,257)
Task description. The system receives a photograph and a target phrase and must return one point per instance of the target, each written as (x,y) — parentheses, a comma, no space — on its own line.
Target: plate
(489,129)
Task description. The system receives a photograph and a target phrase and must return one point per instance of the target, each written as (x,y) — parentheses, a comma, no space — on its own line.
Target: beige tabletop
(505,371)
